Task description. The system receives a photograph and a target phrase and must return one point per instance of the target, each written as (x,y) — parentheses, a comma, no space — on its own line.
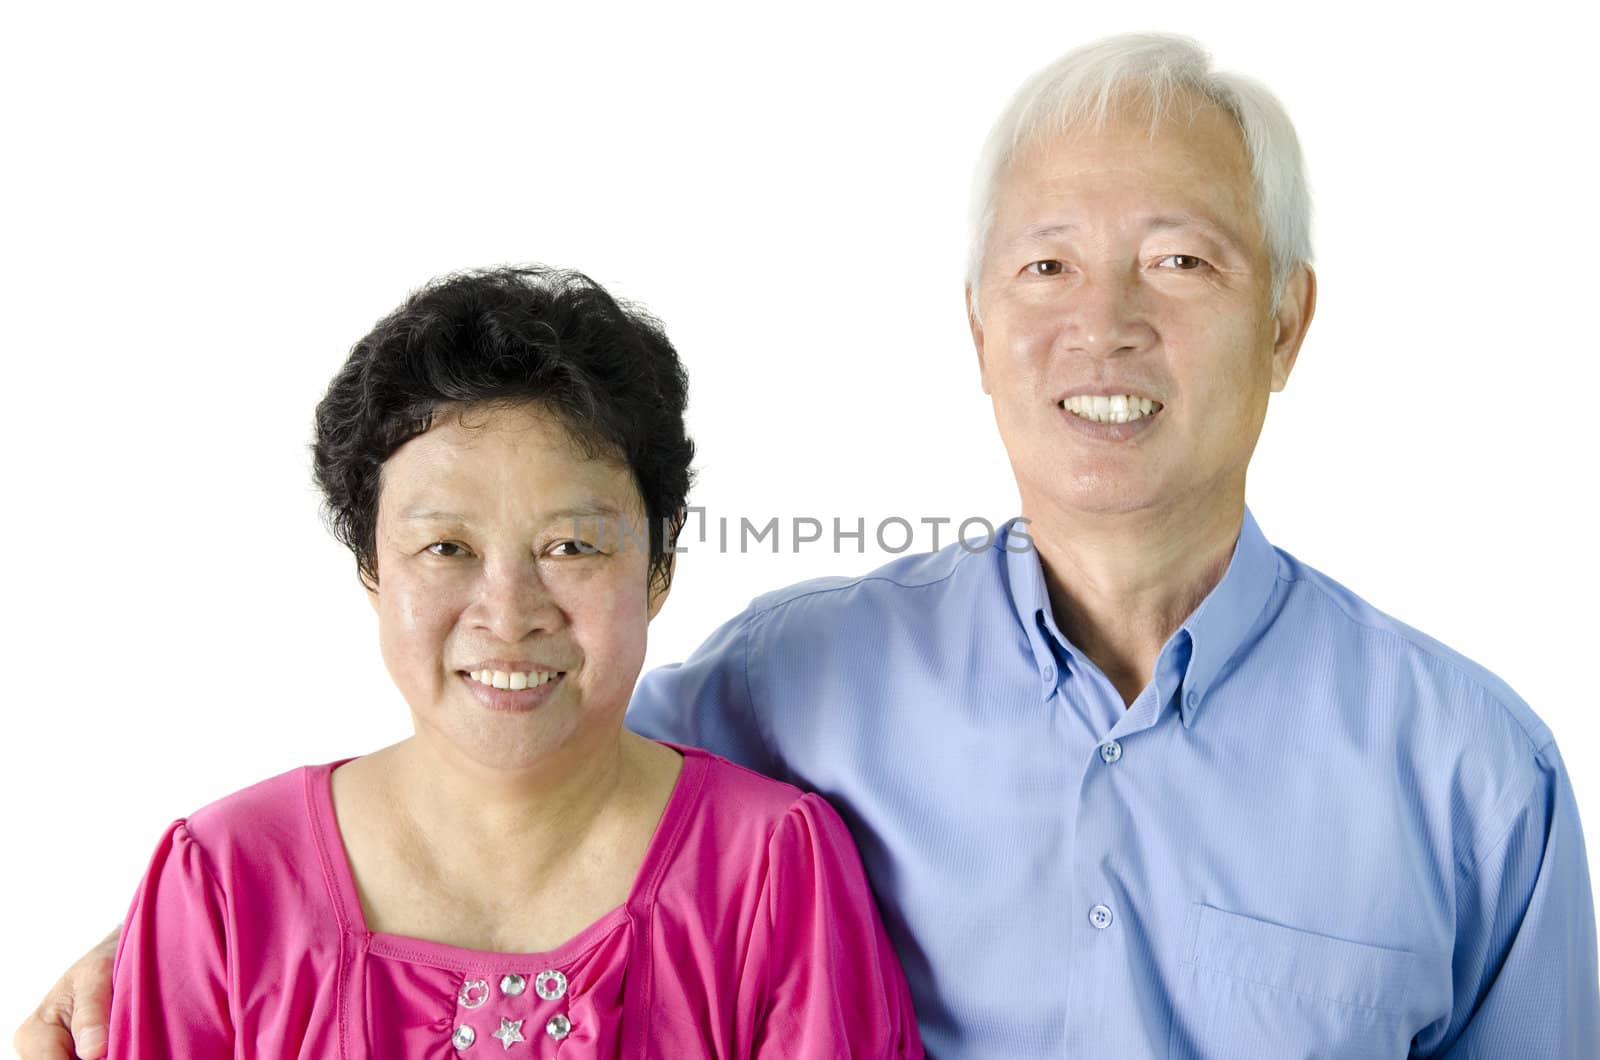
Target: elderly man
(1130,782)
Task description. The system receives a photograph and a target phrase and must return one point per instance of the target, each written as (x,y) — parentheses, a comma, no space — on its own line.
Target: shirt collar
(1031,602)
(1218,627)
(1211,636)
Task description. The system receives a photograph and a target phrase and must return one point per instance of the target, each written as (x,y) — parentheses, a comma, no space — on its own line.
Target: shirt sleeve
(1525,975)
(707,701)
(827,982)
(170,979)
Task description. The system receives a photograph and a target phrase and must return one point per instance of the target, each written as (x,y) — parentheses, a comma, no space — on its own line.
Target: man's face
(1124,326)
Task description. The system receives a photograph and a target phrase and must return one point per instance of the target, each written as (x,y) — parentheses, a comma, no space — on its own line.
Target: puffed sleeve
(826,980)
(170,993)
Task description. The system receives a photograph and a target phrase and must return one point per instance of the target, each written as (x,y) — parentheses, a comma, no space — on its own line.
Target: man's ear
(1293,318)
(975,325)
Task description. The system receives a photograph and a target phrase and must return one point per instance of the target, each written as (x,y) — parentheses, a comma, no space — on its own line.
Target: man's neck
(1121,584)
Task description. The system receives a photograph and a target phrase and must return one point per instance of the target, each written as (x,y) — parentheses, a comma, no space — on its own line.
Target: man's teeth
(515,681)
(1115,408)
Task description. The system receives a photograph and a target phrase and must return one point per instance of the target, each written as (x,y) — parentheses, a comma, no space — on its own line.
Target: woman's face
(512,593)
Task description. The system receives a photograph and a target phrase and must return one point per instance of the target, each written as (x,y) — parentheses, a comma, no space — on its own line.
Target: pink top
(749,932)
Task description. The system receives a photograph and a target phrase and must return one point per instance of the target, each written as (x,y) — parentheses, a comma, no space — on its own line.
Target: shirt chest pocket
(1248,988)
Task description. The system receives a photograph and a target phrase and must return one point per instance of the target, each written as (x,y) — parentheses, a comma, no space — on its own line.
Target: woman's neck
(525,824)
(444,849)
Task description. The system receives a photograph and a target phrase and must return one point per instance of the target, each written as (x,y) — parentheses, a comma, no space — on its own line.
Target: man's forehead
(1188,170)
(1202,136)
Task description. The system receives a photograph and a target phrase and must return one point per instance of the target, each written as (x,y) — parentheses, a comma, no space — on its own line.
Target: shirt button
(551,985)
(1193,700)
(1049,674)
(463,1037)
(1100,917)
(1110,751)
(474,992)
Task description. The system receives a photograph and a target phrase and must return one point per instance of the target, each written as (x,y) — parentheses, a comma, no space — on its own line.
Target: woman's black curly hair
(515,334)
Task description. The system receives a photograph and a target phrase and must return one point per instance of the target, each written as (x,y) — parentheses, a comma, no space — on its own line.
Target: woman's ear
(661,577)
(661,583)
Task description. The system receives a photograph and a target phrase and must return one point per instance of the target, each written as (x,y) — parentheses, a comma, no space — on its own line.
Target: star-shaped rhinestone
(510,1031)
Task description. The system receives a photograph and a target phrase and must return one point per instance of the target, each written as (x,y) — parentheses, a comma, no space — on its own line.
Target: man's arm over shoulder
(1525,975)
(708,701)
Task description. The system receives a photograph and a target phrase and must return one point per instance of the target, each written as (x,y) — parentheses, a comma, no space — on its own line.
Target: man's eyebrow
(1040,232)
(1171,221)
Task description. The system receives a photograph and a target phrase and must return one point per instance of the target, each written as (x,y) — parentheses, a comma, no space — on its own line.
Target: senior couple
(1128,783)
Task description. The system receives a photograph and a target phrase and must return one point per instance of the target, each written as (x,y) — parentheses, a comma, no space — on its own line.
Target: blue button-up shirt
(1316,832)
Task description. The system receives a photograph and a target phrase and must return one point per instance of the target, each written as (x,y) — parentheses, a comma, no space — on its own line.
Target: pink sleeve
(170,982)
(830,983)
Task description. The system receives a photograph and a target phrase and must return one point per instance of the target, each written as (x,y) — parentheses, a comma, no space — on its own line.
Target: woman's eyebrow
(596,510)
(591,510)
(432,515)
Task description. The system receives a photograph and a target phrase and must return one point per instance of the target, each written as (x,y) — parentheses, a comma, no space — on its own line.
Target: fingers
(90,984)
(70,1023)
(44,1035)
(89,1019)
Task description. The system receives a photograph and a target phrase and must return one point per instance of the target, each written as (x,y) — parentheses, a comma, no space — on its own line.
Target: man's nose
(1107,315)
(514,601)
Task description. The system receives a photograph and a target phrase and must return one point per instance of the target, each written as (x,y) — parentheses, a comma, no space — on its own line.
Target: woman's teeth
(516,681)
(1114,408)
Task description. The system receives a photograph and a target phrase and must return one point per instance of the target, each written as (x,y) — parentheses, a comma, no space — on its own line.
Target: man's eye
(573,548)
(1182,262)
(445,549)
(1048,267)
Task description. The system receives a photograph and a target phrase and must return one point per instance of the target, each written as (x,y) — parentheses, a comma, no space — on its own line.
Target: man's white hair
(1169,76)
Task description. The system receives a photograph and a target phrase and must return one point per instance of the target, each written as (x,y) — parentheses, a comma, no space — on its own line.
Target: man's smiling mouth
(1113,408)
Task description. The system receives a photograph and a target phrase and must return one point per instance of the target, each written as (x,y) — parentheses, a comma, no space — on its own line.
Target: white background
(204,207)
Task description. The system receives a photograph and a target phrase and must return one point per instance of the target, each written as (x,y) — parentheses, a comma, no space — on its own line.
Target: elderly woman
(505,455)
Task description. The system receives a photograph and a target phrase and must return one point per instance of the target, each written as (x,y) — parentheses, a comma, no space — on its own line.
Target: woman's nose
(514,602)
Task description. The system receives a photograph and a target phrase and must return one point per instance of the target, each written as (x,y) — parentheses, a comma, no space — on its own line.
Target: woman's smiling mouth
(514,680)
(512,691)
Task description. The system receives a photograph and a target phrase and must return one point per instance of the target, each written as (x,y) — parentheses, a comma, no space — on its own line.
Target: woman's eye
(1048,267)
(1181,262)
(445,549)
(573,548)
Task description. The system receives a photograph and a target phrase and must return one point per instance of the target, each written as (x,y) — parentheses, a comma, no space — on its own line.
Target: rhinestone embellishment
(463,1037)
(474,992)
(512,985)
(510,1031)
(551,985)
(558,1027)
